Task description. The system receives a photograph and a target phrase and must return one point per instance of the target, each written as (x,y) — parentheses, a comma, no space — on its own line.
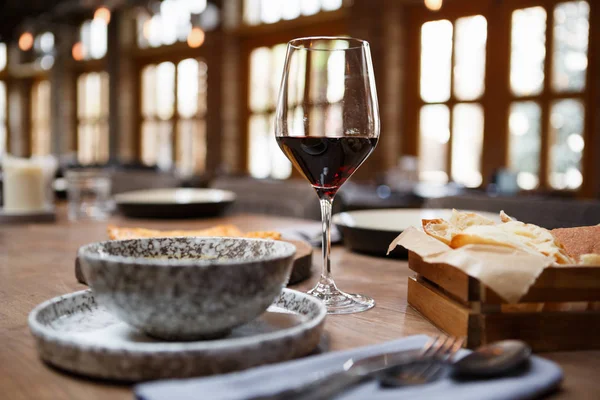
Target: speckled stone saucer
(75,333)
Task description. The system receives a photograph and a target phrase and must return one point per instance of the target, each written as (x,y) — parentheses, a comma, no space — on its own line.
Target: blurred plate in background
(371,231)
(174,203)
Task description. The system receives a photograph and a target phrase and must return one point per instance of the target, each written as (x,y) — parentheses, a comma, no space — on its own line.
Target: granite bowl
(187,288)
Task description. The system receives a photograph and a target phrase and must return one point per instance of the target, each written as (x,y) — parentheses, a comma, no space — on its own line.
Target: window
(536,100)
(3,103)
(452,82)
(265,157)
(93,40)
(555,95)
(38,49)
(41,144)
(3,118)
(266,68)
(177,21)
(92,118)
(44,49)
(271,11)
(173,116)
(265,59)
(3,56)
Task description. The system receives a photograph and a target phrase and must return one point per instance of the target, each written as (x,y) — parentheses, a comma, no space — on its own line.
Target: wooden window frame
(36,82)
(5,78)
(327,23)
(87,67)
(497,97)
(153,56)
(81,67)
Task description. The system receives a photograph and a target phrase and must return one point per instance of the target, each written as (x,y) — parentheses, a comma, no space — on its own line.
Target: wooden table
(36,264)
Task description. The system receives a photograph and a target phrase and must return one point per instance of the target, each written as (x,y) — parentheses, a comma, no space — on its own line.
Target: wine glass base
(338,302)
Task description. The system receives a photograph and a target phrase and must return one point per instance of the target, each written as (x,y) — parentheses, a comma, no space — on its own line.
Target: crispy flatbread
(469,228)
(263,235)
(462,220)
(118,233)
(504,217)
(439,229)
(445,231)
(540,239)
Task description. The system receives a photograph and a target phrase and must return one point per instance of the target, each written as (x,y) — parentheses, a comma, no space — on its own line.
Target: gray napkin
(541,377)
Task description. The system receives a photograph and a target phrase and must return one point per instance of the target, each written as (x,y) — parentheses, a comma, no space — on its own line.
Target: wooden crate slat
(546,331)
(450,316)
(555,284)
(453,280)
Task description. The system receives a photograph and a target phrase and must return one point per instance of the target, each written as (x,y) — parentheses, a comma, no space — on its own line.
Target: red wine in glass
(326,162)
(327,128)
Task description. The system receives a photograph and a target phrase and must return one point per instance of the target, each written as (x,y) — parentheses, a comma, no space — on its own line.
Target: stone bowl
(187,288)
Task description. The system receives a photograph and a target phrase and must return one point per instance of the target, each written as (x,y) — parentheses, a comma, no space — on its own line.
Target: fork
(434,358)
(434,352)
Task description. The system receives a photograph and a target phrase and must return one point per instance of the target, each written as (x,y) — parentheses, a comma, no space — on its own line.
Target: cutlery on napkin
(541,377)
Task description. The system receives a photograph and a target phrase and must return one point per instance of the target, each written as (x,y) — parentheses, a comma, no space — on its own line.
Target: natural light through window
(158,97)
(3,119)
(94,39)
(92,115)
(566,144)
(449,79)
(547,94)
(434,134)
(191,112)
(528,51)
(173,126)
(43,51)
(271,11)
(571,33)
(2,56)
(525,142)
(469,57)
(265,157)
(436,60)
(172,23)
(467,144)
(41,142)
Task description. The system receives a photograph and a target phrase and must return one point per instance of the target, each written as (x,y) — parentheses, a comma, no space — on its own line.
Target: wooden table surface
(36,264)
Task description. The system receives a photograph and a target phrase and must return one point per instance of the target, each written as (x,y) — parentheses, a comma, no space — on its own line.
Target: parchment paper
(508,272)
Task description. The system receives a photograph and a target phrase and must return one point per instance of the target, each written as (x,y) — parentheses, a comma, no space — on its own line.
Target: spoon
(495,359)
(488,361)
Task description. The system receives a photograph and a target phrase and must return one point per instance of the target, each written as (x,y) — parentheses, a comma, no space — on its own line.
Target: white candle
(23,185)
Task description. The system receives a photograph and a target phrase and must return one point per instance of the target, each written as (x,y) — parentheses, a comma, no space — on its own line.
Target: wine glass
(327,124)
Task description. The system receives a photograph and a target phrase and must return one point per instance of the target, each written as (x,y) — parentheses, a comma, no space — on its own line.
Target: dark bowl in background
(174,203)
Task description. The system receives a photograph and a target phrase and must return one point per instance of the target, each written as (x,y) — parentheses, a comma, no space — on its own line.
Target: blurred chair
(549,213)
(290,198)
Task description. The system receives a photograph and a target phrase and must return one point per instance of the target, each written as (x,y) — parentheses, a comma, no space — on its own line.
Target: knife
(354,371)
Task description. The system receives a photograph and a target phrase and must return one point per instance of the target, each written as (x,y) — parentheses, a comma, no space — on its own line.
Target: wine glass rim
(353,43)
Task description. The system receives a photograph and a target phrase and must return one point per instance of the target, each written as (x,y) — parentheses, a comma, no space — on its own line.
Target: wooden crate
(461,306)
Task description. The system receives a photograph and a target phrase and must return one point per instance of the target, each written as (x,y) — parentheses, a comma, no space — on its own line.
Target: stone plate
(73,332)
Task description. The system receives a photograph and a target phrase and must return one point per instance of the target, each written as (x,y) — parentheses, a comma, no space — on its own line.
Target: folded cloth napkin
(539,378)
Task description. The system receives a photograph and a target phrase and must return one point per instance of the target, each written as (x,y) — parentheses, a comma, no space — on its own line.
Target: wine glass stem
(326,202)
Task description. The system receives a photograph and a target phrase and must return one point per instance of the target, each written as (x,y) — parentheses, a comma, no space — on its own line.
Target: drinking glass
(88,193)
(327,124)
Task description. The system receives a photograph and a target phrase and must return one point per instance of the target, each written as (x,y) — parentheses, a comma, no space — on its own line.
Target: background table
(36,264)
